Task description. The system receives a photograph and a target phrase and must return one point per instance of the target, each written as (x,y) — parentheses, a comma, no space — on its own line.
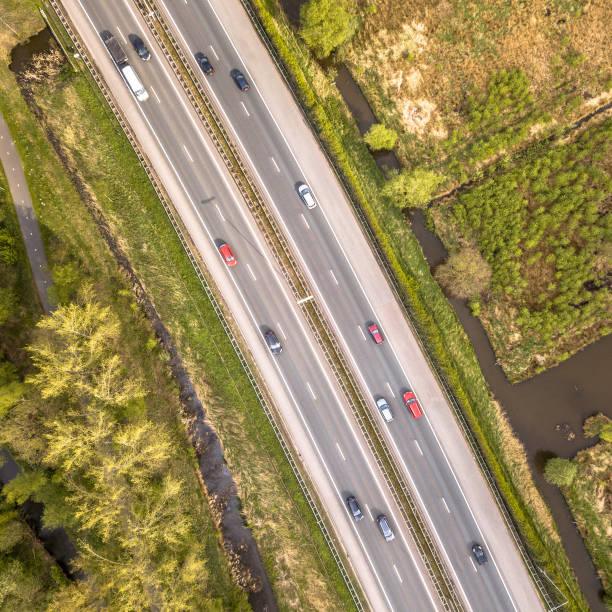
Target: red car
(228,255)
(412,404)
(375,333)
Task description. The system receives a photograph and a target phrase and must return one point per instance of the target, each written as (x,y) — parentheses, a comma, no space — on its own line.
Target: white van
(131,78)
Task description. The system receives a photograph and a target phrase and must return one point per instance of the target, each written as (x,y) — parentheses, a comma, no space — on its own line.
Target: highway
(340,289)
(394,566)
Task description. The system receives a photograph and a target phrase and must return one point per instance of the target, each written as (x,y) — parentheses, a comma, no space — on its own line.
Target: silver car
(306,195)
(385,529)
(381,402)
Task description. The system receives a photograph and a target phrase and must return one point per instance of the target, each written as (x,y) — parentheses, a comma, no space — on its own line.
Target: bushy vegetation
(560,472)
(327,24)
(544,226)
(411,188)
(379,137)
(97,452)
(589,496)
(29,578)
(465,274)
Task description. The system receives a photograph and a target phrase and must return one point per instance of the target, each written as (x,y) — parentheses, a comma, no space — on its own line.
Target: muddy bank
(546,412)
(238,542)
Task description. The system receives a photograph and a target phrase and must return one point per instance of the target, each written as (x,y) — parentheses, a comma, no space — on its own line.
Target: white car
(306,195)
(384,409)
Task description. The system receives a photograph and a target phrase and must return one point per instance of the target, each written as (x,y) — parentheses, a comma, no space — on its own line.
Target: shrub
(327,24)
(466,273)
(380,137)
(412,187)
(560,472)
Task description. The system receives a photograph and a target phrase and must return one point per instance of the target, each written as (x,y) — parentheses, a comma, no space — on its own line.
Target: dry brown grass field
(417,60)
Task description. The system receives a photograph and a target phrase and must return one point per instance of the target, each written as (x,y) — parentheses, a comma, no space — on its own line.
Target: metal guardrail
(302,292)
(532,567)
(255,383)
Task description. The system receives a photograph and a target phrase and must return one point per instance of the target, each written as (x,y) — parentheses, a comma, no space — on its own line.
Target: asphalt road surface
(395,572)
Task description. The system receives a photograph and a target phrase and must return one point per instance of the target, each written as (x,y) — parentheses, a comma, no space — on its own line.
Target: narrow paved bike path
(9,157)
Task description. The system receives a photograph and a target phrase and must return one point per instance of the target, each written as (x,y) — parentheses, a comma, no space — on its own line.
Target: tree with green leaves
(465,274)
(327,24)
(379,137)
(411,188)
(560,472)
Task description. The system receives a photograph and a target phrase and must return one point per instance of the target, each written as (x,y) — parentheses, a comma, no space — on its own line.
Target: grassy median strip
(430,312)
(296,557)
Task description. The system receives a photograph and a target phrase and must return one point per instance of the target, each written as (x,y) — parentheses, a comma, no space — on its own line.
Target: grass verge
(295,554)
(433,317)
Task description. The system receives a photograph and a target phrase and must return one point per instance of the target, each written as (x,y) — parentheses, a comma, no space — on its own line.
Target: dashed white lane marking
(369,512)
(121,34)
(245,109)
(332,275)
(214,52)
(220,213)
(188,154)
(398,574)
(155,94)
(340,451)
(418,447)
(304,220)
(390,389)
(362,333)
(278,325)
(275,164)
(311,391)
(251,271)
(446,505)
(473,564)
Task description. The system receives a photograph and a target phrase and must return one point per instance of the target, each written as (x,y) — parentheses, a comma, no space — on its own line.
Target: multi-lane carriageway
(352,290)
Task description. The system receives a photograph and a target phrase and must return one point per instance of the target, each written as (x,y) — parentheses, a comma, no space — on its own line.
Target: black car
(204,64)
(139,46)
(479,554)
(240,80)
(353,506)
(273,344)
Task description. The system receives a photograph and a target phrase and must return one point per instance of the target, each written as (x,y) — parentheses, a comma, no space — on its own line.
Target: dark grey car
(273,344)
(353,506)
(239,79)
(479,554)
(140,48)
